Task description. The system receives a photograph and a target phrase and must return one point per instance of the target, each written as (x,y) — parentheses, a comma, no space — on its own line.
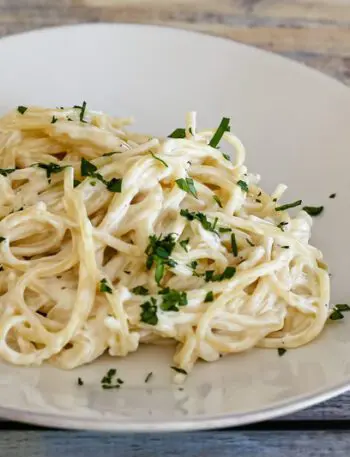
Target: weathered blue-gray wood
(200,444)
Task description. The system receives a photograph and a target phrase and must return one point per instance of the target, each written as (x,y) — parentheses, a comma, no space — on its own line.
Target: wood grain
(315,32)
(292,443)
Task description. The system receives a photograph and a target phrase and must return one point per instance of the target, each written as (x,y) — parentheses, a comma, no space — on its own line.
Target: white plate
(295,125)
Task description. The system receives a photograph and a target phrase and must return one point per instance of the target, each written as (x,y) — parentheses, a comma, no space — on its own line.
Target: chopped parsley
(178,133)
(2,239)
(343,307)
(332,195)
(115,185)
(108,377)
(228,273)
(50,168)
(209,297)
(281,351)
(285,247)
(148,377)
(89,169)
(337,312)
(187,185)
(172,299)
(140,290)
(159,159)
(226,156)
(108,381)
(107,154)
(200,217)
(223,127)
(225,230)
(313,210)
(53,121)
(158,252)
(234,247)
(6,171)
(250,243)
(149,312)
(281,225)
(184,244)
(80,382)
(93,183)
(243,185)
(82,109)
(22,109)
(179,370)
(104,287)
(218,201)
(289,205)
(76,182)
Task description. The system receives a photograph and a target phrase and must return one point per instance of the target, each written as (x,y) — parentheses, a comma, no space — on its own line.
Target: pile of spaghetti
(109,239)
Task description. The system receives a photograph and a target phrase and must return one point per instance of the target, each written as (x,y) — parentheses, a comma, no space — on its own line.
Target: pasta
(109,239)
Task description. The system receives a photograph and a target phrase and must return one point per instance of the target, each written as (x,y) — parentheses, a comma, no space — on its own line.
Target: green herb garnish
(209,297)
(285,247)
(228,273)
(218,201)
(2,239)
(104,287)
(108,377)
(184,244)
(178,133)
(343,307)
(158,252)
(76,182)
(332,195)
(200,217)
(289,205)
(225,230)
(336,315)
(281,351)
(243,185)
(313,210)
(80,382)
(53,121)
(22,109)
(115,185)
(6,171)
(148,377)
(337,312)
(107,154)
(223,127)
(281,225)
(140,290)
(179,370)
(160,160)
(234,247)
(149,312)
(226,156)
(89,169)
(250,243)
(187,185)
(82,109)
(50,168)
(172,299)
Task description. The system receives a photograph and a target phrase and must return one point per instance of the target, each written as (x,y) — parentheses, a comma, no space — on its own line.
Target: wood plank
(293,443)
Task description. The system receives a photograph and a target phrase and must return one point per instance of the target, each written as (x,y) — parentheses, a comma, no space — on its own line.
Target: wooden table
(316,32)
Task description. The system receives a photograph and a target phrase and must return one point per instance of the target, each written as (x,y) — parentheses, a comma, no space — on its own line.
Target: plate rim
(57,420)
